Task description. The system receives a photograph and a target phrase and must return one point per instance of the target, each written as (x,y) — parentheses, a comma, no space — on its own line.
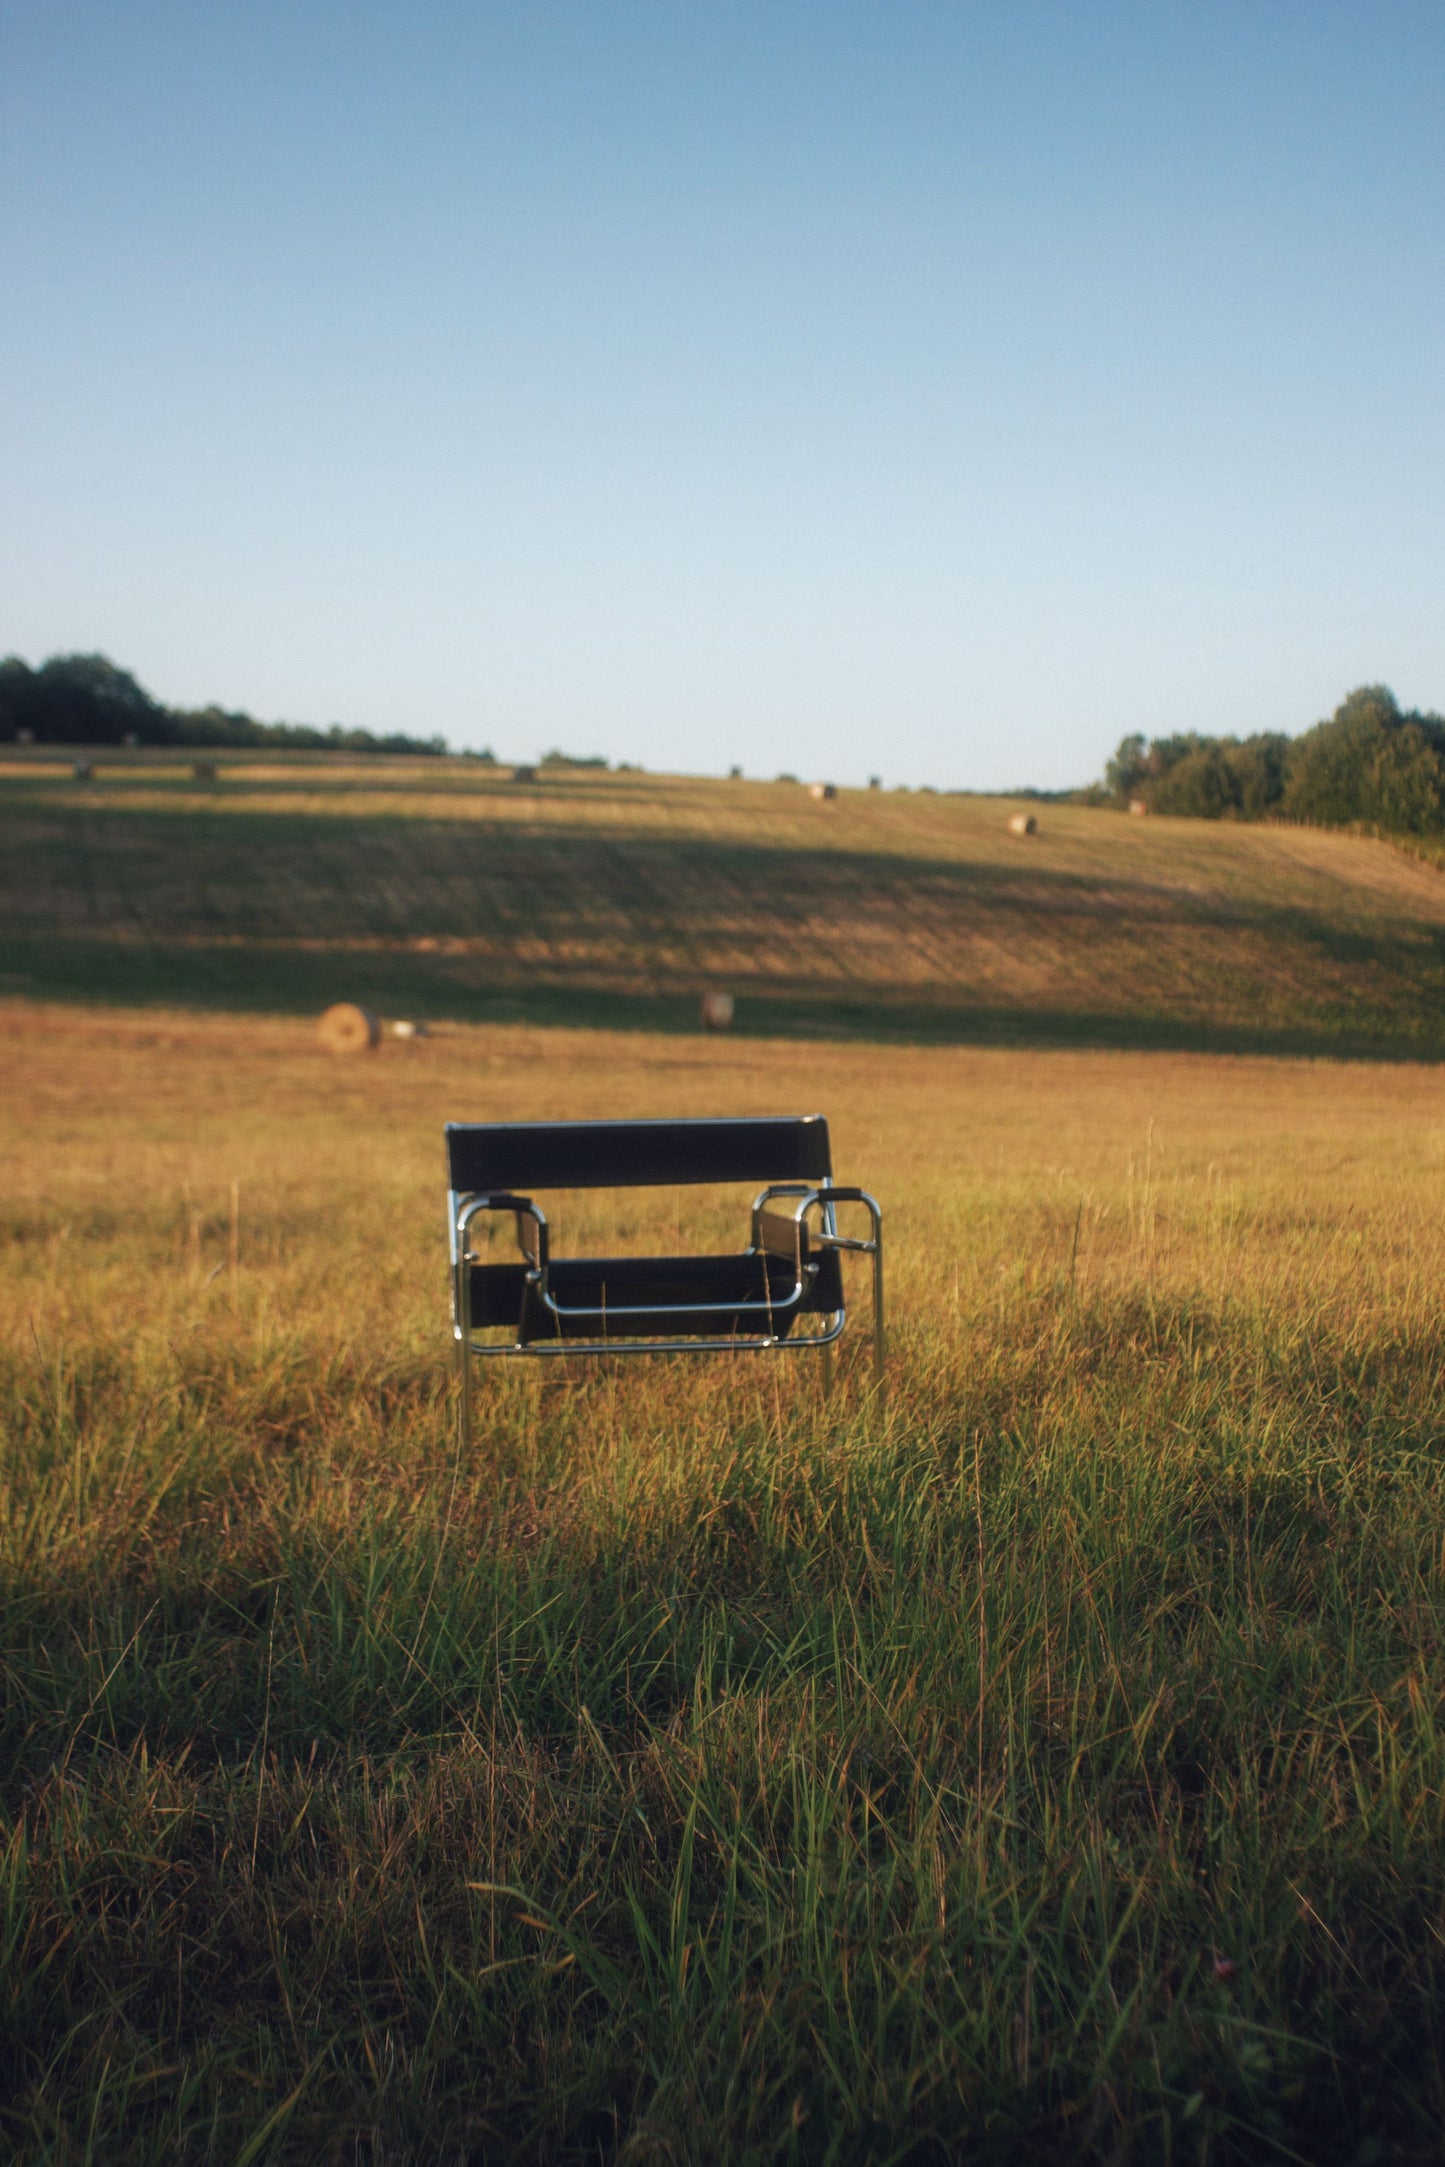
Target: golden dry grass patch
(1181,1158)
(703,1770)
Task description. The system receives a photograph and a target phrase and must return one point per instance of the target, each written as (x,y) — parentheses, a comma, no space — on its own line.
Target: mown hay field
(1047,1766)
(445,888)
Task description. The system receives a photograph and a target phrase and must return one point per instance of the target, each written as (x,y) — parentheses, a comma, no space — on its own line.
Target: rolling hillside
(441,888)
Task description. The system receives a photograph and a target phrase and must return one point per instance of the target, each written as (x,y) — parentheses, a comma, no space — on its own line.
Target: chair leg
(464,1395)
(880,1334)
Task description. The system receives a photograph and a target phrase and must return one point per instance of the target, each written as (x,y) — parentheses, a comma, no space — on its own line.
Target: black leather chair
(784,1290)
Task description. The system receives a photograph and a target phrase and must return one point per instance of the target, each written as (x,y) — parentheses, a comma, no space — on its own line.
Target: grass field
(442,888)
(1049,1768)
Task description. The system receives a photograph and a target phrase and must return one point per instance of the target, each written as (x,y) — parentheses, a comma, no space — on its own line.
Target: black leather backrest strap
(492,1156)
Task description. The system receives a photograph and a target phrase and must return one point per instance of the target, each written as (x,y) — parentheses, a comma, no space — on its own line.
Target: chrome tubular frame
(824,1199)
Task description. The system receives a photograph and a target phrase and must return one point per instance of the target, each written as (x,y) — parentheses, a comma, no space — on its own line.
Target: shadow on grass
(609,928)
(440,988)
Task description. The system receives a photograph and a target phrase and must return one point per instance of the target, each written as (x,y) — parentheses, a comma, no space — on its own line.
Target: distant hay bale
(822,790)
(25,737)
(204,771)
(84,770)
(524,774)
(1138,808)
(1023,824)
(403,1027)
(717,1011)
(345,1028)
(875,782)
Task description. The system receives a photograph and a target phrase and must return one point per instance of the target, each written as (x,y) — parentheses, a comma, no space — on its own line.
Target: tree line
(88,700)
(1372,764)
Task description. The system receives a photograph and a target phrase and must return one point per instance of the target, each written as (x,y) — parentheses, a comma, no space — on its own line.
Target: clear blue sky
(939,390)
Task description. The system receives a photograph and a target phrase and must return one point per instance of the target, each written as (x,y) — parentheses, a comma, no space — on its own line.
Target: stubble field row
(439,889)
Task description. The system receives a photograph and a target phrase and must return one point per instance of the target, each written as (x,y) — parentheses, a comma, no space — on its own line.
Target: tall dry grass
(1050,1767)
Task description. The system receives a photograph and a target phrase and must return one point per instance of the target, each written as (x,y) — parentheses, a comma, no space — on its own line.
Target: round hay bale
(822,790)
(84,770)
(717,1011)
(524,774)
(345,1028)
(1023,824)
(204,771)
(1138,808)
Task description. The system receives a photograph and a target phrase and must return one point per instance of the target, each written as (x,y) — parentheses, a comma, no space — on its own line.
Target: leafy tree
(1203,778)
(17,697)
(78,700)
(1198,785)
(1128,768)
(87,700)
(1259,770)
(1371,763)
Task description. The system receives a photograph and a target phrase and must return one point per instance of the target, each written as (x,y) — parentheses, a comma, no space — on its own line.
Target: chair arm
(783,1235)
(780,1237)
(806,1199)
(531,1225)
(828,1238)
(793,1236)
